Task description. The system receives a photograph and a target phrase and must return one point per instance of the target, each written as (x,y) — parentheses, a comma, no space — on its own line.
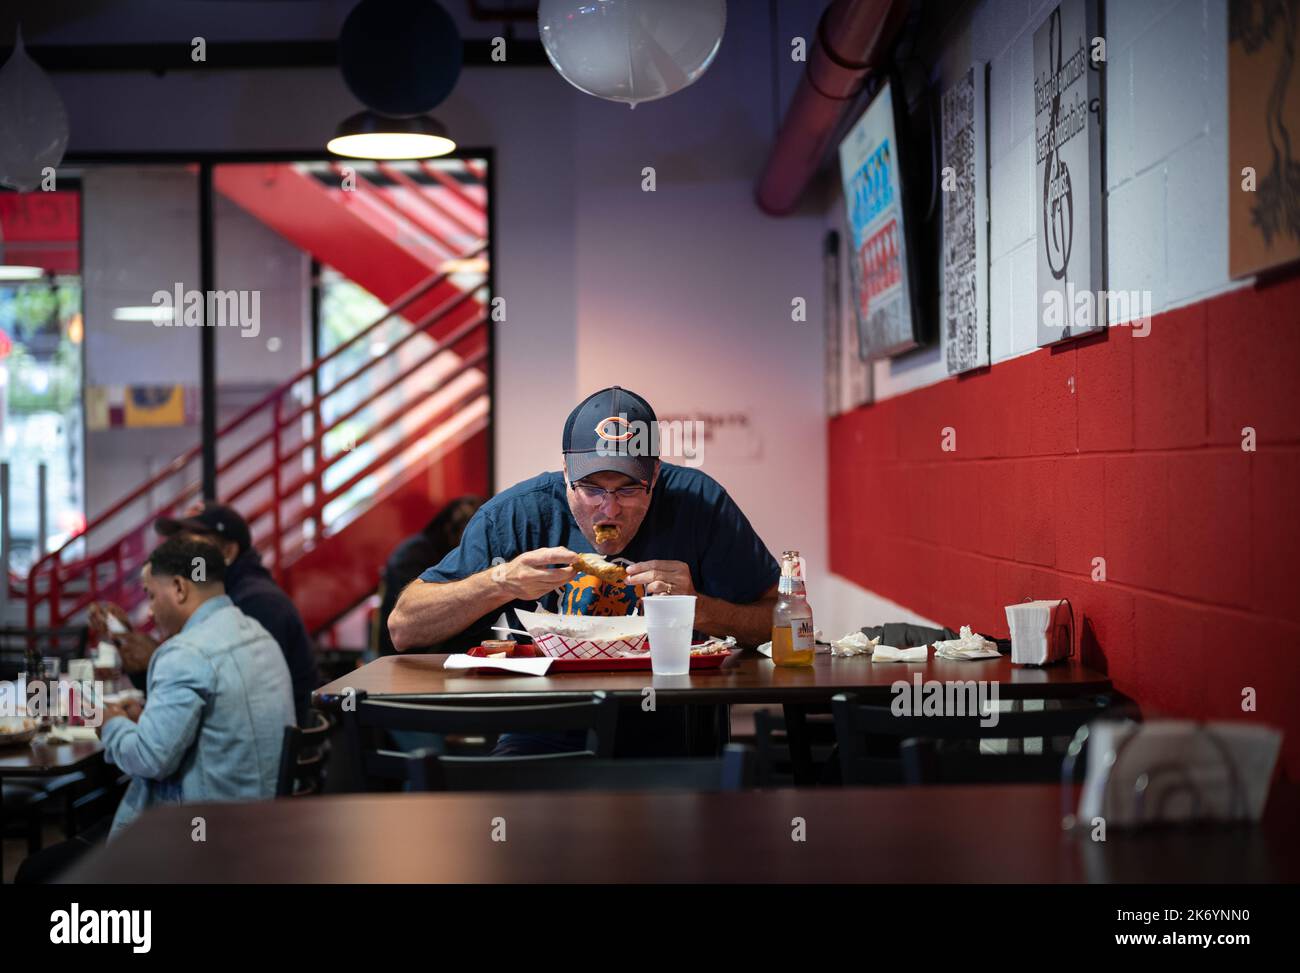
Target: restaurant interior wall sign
(848,376)
(1263,124)
(831,314)
(870,170)
(1067,152)
(964,181)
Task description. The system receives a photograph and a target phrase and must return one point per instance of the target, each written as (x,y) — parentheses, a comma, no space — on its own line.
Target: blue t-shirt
(690,519)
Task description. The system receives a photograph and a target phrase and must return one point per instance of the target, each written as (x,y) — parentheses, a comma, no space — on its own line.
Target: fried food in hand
(596,565)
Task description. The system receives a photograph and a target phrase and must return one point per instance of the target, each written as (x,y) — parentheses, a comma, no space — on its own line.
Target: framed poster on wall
(880,251)
(848,377)
(964,180)
(1263,159)
(1068,174)
(831,305)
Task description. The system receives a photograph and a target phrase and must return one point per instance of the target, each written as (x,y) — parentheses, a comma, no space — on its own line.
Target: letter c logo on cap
(618,420)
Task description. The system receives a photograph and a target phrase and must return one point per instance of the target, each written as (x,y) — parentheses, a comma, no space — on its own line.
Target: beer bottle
(793,642)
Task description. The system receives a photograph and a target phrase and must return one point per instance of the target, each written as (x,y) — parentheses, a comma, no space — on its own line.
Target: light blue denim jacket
(219,698)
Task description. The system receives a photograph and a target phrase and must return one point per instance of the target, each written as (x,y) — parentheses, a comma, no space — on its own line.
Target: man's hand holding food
(534,573)
(132,708)
(662,577)
(426,614)
(135,647)
(129,708)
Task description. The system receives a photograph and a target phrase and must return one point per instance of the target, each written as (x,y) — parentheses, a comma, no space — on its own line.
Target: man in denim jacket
(219,693)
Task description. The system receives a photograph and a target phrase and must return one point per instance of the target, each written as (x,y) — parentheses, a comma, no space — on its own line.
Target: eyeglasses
(595,494)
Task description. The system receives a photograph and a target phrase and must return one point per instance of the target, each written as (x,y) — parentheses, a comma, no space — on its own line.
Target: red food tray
(622,664)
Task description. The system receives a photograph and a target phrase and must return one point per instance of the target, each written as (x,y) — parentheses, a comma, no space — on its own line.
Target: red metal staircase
(325,514)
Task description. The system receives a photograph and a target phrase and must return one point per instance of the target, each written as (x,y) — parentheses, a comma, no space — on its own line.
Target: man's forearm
(428,613)
(751,624)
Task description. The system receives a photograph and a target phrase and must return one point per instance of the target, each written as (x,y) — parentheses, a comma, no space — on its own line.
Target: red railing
(61,588)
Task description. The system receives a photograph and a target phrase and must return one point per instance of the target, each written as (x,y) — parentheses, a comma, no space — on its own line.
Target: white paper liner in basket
(585,636)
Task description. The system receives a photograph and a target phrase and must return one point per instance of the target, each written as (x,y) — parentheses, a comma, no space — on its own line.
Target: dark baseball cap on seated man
(615,431)
(215,519)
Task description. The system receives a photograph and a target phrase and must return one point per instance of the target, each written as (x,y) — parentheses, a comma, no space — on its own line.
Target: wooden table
(41,759)
(914,834)
(746,677)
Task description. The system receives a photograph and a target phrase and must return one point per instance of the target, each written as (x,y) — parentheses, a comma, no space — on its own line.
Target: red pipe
(853,38)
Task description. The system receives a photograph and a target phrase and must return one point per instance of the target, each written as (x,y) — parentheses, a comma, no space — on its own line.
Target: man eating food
(614,525)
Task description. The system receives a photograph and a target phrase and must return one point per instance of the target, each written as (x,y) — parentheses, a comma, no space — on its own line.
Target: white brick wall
(1169,82)
(1137,234)
(1166,157)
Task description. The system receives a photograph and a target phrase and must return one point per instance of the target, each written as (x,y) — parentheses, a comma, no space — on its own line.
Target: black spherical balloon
(400,57)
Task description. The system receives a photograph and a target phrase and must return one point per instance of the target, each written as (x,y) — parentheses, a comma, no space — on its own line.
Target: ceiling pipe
(854,37)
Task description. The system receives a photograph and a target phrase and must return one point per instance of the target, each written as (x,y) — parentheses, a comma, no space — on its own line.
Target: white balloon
(33,124)
(631,50)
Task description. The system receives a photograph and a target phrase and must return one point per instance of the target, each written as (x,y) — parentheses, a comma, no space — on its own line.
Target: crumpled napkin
(72,734)
(855,643)
(887,653)
(969,646)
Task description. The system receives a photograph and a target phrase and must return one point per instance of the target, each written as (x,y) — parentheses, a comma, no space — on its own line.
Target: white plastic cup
(669,621)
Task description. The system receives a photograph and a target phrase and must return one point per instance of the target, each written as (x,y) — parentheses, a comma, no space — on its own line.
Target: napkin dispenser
(1176,772)
(1042,631)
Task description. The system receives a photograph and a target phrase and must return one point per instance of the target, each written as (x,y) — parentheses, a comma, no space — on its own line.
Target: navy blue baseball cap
(215,519)
(614,431)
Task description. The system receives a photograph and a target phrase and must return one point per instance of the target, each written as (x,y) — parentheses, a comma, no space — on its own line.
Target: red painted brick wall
(1138,460)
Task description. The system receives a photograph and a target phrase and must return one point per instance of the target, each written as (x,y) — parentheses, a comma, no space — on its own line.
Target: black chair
(432,771)
(594,714)
(878,747)
(774,763)
(23,812)
(78,798)
(302,758)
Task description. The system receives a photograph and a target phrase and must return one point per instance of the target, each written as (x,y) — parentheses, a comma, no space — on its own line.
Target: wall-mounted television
(881,260)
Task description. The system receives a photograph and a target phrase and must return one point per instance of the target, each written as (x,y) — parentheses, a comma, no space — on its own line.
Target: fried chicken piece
(606,532)
(596,565)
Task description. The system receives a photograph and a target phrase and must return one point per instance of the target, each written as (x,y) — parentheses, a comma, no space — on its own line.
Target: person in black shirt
(439,537)
(249,585)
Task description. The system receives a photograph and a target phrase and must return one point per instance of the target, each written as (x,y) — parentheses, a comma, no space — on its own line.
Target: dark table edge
(794,695)
(1272,877)
(51,771)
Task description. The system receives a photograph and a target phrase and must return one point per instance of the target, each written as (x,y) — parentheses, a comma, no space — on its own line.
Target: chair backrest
(431,771)
(302,758)
(929,761)
(774,764)
(67,643)
(876,746)
(594,714)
